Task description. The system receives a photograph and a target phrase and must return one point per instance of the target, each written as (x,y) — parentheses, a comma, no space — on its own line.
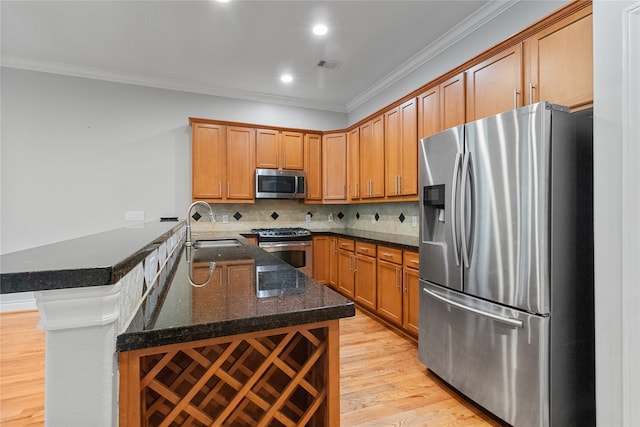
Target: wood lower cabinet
(559,65)
(495,85)
(346,267)
(411,292)
(390,284)
(322,248)
(313,166)
(366,275)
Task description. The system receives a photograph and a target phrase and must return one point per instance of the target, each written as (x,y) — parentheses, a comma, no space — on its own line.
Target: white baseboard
(17,302)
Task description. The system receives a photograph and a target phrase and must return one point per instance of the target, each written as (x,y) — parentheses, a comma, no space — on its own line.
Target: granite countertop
(248,290)
(95,260)
(410,243)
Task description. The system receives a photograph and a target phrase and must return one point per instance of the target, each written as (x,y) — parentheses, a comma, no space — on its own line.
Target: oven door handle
(292,244)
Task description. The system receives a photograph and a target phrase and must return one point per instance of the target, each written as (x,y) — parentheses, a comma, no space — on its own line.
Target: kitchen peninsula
(223,332)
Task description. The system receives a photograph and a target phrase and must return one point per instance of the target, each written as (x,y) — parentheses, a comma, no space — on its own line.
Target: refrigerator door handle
(506,320)
(463,208)
(454,207)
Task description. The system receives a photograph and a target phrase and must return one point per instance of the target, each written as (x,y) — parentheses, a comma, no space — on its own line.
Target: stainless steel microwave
(280,184)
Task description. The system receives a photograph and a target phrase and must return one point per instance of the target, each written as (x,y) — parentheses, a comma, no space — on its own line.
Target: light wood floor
(382,381)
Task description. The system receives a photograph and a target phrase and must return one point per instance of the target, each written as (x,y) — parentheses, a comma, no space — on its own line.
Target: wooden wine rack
(279,377)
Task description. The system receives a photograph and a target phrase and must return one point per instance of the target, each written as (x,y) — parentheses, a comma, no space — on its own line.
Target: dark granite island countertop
(247,290)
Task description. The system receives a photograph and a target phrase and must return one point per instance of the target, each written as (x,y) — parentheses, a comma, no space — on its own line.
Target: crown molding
(29,64)
(453,36)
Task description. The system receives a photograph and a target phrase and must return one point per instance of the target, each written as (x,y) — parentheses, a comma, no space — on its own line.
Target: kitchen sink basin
(222,243)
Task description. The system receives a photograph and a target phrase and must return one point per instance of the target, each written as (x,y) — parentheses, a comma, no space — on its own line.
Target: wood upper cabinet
(223,162)
(495,85)
(353,163)
(334,167)
(279,149)
(559,65)
(411,292)
(401,150)
(313,166)
(208,161)
(442,106)
(372,158)
(240,166)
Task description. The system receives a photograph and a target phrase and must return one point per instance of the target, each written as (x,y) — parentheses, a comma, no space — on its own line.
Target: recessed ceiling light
(320,30)
(223,1)
(286,78)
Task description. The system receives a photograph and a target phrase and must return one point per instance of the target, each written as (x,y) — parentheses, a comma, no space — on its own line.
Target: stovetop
(281,233)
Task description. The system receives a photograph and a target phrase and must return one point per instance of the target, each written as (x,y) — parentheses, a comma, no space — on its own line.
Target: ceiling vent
(328,64)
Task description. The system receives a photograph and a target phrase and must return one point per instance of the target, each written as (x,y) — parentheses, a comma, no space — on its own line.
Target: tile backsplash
(396,218)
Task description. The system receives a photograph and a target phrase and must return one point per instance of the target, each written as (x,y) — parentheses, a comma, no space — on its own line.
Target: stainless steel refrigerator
(506,264)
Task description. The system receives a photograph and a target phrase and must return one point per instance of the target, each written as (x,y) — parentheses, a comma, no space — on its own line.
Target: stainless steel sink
(222,243)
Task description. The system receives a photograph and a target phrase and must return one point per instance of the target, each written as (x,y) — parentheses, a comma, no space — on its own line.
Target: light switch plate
(225,219)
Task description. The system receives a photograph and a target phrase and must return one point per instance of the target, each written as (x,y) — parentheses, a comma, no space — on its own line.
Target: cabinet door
(334,167)
(321,258)
(267,148)
(346,282)
(429,112)
(365,291)
(372,158)
(392,152)
(208,161)
(495,85)
(241,144)
(390,291)
(452,102)
(292,149)
(560,62)
(313,165)
(353,153)
(333,263)
(442,107)
(411,291)
(408,180)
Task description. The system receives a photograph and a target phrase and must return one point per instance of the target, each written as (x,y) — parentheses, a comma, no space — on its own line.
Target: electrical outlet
(134,216)
(330,219)
(307,218)
(414,221)
(225,219)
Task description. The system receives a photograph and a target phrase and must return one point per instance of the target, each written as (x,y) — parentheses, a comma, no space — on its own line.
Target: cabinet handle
(363,249)
(356,194)
(276,160)
(399,186)
(531,88)
(397,281)
(386,254)
(515,98)
(284,161)
(355,263)
(404,281)
(220,188)
(228,188)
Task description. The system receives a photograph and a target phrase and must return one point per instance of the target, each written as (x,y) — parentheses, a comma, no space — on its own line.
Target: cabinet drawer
(368,249)
(390,254)
(411,260)
(346,244)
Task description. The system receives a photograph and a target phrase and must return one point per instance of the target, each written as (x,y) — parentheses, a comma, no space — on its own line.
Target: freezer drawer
(496,356)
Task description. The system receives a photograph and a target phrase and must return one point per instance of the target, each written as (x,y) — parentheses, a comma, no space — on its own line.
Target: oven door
(298,254)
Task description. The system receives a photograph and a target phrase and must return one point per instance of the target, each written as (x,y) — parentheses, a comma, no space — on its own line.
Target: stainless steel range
(292,245)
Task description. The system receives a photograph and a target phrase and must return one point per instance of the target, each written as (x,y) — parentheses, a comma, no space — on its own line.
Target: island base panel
(287,376)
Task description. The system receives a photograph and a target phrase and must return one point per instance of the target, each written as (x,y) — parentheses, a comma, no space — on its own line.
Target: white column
(81,385)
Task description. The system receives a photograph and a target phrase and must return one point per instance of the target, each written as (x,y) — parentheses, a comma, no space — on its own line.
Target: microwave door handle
(454,206)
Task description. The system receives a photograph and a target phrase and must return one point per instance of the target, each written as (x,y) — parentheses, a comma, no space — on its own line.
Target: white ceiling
(239,49)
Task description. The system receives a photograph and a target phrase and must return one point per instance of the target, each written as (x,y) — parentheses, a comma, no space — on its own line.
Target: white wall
(616,211)
(77,153)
